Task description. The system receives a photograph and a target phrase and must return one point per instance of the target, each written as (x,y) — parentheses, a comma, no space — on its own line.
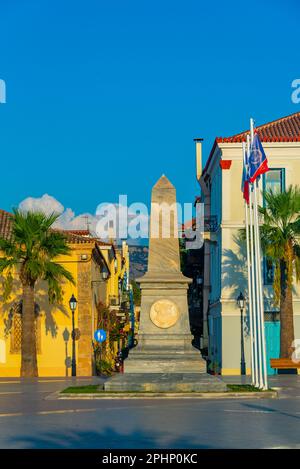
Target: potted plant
(213,368)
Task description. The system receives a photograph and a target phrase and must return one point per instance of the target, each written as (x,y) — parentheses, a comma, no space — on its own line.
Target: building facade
(224,253)
(98,269)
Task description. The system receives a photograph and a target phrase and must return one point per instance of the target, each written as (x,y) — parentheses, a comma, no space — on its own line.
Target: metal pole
(66,353)
(257,270)
(251,130)
(254,302)
(250,295)
(257,267)
(250,286)
(258,283)
(243,364)
(260,290)
(73,346)
(260,305)
(94,361)
(100,358)
(254,291)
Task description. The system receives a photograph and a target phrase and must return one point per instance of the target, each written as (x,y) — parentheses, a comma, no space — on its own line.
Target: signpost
(100,336)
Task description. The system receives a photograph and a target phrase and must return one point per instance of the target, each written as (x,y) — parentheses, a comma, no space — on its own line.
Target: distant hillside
(138,256)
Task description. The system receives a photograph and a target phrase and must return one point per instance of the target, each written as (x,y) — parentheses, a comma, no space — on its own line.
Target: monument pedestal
(165,382)
(164,359)
(164,340)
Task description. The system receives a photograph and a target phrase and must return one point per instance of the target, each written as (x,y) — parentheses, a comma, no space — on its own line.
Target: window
(274,179)
(269,270)
(272,316)
(16,334)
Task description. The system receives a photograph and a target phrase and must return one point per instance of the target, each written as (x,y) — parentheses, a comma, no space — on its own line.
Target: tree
(29,251)
(136,293)
(183,254)
(280,242)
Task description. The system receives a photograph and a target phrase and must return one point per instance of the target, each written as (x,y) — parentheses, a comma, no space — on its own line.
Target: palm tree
(280,234)
(30,250)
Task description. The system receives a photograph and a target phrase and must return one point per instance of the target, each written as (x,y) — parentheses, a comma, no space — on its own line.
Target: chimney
(198,142)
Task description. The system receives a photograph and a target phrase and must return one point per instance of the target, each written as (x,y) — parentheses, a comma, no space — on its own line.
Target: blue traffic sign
(100,335)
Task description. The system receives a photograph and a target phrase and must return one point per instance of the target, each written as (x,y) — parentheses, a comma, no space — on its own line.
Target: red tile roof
(80,232)
(285,129)
(72,237)
(88,237)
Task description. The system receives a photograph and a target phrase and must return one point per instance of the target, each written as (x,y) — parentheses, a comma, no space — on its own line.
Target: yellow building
(117,260)
(97,268)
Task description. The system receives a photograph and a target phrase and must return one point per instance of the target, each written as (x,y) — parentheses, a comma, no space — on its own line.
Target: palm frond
(296,248)
(54,274)
(55,244)
(10,249)
(281,228)
(57,271)
(7,264)
(294,227)
(281,208)
(55,291)
(35,245)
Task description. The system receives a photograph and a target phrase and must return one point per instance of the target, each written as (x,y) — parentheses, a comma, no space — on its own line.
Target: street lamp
(199,280)
(66,337)
(73,306)
(241,304)
(104,275)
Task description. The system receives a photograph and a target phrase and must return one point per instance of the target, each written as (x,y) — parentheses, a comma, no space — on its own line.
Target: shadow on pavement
(270,409)
(107,439)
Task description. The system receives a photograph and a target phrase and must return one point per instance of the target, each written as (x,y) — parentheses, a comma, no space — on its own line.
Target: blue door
(272,332)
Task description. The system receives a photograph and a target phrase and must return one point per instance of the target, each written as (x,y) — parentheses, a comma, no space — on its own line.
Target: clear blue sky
(121,88)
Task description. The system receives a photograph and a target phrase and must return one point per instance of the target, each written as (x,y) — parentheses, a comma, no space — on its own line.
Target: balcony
(211,224)
(114,300)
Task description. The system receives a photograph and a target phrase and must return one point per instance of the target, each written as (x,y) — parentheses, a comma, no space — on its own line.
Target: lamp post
(66,336)
(241,304)
(73,306)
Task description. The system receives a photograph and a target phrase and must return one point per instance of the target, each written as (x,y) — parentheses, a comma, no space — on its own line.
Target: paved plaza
(28,420)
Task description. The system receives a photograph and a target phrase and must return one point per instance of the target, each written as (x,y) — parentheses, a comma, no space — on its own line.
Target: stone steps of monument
(167,353)
(165,382)
(165,364)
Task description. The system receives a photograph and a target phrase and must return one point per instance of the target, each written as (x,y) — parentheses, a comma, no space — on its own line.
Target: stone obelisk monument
(164,339)
(164,359)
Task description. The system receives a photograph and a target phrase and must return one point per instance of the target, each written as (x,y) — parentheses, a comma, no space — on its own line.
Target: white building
(224,257)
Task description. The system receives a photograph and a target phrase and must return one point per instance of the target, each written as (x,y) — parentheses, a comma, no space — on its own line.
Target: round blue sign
(100,335)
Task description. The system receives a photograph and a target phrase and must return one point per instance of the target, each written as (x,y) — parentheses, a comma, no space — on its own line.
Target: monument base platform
(187,362)
(165,382)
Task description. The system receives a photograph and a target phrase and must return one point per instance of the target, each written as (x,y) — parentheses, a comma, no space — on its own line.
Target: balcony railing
(114,300)
(211,223)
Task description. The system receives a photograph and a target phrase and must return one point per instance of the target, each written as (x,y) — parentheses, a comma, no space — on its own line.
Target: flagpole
(259,290)
(250,309)
(251,130)
(254,303)
(256,276)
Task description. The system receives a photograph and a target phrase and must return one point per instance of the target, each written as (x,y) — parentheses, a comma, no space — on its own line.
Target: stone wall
(84,359)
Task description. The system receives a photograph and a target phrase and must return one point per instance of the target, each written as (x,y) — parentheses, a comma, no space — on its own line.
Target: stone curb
(165,395)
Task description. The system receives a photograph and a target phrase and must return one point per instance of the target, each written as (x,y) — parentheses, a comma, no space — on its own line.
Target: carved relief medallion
(164,313)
